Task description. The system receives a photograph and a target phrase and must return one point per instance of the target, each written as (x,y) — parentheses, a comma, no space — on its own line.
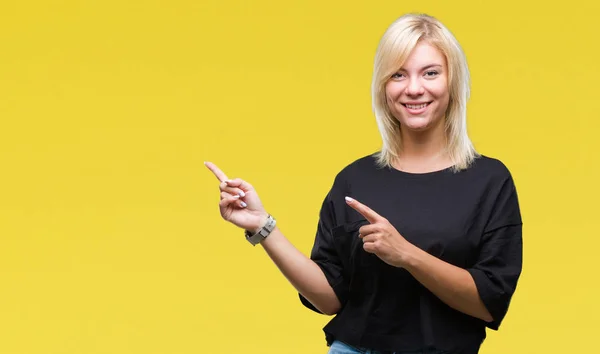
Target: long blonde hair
(396,44)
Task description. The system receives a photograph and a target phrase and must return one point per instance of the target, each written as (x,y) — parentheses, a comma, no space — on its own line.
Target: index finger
(221,176)
(364,210)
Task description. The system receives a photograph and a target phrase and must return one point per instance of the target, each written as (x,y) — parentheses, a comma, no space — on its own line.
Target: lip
(416,111)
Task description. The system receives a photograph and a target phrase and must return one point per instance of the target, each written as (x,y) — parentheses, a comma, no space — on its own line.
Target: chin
(420,125)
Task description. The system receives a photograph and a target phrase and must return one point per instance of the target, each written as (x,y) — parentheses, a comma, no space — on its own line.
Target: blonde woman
(419,246)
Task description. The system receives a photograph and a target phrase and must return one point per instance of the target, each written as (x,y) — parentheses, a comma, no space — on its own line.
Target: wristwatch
(262,233)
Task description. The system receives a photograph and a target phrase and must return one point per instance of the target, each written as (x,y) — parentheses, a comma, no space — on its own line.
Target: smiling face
(417,95)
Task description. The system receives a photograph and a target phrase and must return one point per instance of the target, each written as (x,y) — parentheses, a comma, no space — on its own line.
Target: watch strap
(262,233)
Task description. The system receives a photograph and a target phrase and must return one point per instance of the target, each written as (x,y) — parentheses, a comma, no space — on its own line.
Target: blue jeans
(338,347)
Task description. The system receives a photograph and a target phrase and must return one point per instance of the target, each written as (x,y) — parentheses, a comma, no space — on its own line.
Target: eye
(431,73)
(397,76)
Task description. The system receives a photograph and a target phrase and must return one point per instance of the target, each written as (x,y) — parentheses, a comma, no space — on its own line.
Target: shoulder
(490,167)
(356,171)
(488,177)
(499,194)
(358,167)
(495,178)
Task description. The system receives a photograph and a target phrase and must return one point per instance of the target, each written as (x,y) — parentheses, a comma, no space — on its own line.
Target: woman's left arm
(482,291)
(453,285)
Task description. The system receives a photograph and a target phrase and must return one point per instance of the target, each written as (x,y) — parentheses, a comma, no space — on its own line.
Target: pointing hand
(239,203)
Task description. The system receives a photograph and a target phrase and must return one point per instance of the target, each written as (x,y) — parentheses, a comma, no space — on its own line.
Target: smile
(416,108)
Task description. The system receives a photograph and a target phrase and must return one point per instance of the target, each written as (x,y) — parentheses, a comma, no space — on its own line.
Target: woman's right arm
(304,274)
(241,206)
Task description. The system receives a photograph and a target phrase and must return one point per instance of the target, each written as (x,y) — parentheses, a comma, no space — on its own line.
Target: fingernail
(242,194)
(244,205)
(227,181)
(236,197)
(348,199)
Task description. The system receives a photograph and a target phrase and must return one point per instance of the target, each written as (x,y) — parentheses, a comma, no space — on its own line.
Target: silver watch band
(262,233)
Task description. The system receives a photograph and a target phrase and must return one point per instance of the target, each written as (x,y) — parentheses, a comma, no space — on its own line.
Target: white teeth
(412,106)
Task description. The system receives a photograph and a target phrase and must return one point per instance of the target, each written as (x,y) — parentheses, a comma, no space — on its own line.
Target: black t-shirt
(470,219)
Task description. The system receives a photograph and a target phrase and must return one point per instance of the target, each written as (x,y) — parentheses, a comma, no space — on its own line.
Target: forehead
(424,54)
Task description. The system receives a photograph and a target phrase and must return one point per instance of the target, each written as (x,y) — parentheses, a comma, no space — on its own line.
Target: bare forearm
(453,285)
(304,274)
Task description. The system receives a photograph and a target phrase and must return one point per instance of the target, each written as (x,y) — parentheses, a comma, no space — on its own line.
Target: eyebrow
(426,67)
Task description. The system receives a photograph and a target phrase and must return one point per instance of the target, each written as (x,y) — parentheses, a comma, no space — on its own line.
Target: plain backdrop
(110,235)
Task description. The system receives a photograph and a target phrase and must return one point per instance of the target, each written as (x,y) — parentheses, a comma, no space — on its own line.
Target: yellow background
(111,240)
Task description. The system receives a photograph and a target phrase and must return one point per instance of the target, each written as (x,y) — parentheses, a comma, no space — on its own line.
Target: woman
(419,246)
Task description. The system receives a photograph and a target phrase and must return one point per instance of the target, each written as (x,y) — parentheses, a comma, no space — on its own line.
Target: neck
(423,144)
(423,151)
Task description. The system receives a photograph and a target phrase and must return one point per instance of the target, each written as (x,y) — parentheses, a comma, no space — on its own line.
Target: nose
(415,87)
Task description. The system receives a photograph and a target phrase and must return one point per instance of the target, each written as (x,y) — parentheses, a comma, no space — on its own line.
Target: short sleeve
(325,254)
(500,258)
